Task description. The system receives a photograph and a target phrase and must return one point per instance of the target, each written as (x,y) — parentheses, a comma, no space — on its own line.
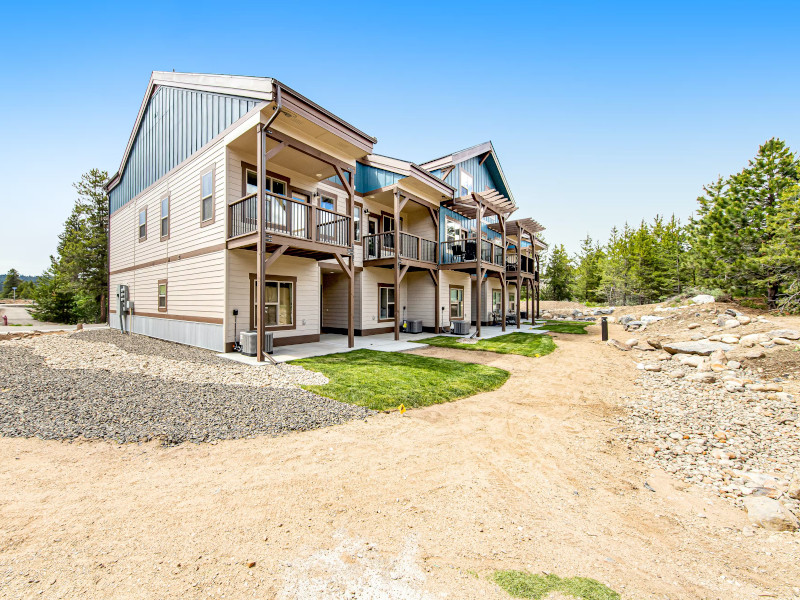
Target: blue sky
(600,112)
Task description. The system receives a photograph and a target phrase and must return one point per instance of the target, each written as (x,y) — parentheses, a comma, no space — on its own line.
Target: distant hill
(23,277)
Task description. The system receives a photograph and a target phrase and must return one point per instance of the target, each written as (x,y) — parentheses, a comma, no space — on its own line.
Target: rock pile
(707,415)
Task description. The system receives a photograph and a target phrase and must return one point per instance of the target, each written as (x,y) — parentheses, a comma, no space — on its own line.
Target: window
(250,182)
(456,302)
(143,224)
(271,184)
(465,187)
(164,218)
(207,198)
(279,303)
(327,202)
(497,302)
(162,295)
(512,302)
(454,231)
(385,302)
(357,222)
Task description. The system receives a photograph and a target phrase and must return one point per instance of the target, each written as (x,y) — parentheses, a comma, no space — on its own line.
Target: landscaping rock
(731,323)
(631,342)
(744,319)
(770,514)
(702,377)
(618,345)
(729,339)
(651,319)
(625,319)
(752,339)
(644,347)
(782,342)
(699,348)
(693,325)
(702,299)
(789,334)
(755,354)
(734,365)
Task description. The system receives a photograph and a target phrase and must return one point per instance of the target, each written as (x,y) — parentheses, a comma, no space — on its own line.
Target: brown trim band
(173,258)
(193,319)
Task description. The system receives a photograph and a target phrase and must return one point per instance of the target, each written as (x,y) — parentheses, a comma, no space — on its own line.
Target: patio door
(300,221)
(372,229)
(387,225)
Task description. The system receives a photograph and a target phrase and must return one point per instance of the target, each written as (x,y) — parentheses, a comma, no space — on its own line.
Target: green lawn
(526,585)
(564,326)
(385,380)
(526,344)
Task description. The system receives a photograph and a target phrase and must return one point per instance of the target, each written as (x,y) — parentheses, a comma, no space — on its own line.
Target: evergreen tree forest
(743,241)
(74,289)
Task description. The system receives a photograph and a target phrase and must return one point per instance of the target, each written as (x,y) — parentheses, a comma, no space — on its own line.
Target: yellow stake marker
(401,408)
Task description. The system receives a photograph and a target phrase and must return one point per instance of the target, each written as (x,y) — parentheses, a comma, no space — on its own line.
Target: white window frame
(207,197)
(277,303)
(385,288)
(164,218)
(358,211)
(466,184)
(458,303)
(143,224)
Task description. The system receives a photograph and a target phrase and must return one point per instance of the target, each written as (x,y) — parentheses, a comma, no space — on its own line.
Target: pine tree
(558,274)
(588,271)
(12,281)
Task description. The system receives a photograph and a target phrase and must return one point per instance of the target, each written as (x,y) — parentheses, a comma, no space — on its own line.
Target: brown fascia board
(363,140)
(409,169)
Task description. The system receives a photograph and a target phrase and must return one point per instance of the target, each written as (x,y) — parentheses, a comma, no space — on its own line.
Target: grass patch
(526,585)
(385,380)
(567,326)
(526,344)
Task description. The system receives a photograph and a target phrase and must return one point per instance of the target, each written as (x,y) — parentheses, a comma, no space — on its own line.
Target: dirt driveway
(420,506)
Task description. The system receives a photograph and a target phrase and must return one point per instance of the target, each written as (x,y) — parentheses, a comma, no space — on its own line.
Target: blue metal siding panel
(482,178)
(175,125)
(371,178)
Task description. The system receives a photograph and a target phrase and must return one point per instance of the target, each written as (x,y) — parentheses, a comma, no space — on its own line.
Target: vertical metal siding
(371,178)
(175,125)
(481,176)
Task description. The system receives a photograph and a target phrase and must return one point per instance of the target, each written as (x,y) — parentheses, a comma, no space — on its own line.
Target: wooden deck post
(517,303)
(436,276)
(503,300)
(396,213)
(260,243)
(478,266)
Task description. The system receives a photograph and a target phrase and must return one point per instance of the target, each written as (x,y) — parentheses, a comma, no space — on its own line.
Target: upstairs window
(357,222)
(465,186)
(327,202)
(164,218)
(271,184)
(207,197)
(143,224)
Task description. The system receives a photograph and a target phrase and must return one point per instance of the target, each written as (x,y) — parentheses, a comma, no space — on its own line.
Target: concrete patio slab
(383,342)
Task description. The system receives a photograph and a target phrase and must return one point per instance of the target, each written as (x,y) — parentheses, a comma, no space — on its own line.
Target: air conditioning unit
(459,327)
(414,326)
(249,342)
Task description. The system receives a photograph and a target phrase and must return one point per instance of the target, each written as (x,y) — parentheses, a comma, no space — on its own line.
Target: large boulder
(770,514)
(603,311)
(651,319)
(702,299)
(699,348)
(752,339)
(788,334)
(625,319)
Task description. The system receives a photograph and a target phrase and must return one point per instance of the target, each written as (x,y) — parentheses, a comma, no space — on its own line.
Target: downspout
(261,272)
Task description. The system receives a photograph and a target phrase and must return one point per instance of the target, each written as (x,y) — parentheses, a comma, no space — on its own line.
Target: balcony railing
(517,264)
(463,251)
(290,218)
(412,247)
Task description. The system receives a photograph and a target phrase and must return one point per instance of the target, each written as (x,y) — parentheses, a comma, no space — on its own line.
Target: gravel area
(141,344)
(733,443)
(66,403)
(153,358)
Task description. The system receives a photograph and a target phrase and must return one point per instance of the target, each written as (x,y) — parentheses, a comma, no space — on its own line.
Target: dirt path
(528,477)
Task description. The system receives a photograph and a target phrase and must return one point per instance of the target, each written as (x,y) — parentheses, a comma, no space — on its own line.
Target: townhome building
(240,204)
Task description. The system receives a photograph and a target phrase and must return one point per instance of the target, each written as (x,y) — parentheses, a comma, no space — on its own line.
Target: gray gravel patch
(64,404)
(142,344)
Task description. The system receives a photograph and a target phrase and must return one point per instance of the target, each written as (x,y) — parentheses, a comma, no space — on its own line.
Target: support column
(396,213)
(351,288)
(503,300)
(528,301)
(517,303)
(478,267)
(260,242)
(436,276)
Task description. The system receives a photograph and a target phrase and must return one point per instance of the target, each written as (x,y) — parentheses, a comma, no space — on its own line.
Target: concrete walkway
(383,342)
